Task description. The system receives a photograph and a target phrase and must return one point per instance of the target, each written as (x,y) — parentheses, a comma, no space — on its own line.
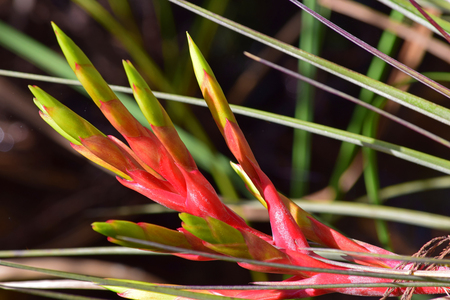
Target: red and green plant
(152,160)
(158,165)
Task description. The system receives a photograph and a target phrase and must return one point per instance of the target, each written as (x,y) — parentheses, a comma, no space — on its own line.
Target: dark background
(49,196)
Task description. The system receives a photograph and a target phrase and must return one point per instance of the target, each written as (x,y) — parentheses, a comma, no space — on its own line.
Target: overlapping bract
(158,165)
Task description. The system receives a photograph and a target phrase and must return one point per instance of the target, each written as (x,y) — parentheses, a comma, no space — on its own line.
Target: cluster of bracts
(158,165)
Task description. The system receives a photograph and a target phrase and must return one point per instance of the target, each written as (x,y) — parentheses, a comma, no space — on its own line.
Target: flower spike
(284,214)
(158,165)
(286,232)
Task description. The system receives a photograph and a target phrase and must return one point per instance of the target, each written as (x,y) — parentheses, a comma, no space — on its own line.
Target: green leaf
(220,236)
(418,104)
(62,119)
(114,228)
(406,8)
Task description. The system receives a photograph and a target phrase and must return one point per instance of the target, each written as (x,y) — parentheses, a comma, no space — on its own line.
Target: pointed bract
(158,119)
(71,126)
(92,81)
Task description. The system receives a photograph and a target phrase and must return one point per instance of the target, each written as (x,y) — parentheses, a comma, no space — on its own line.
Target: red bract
(158,165)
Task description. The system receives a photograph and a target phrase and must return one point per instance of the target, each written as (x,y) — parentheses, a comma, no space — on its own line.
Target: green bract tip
(61,118)
(149,105)
(198,61)
(71,51)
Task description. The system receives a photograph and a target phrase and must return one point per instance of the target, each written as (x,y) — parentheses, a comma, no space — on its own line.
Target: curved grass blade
(252,211)
(411,187)
(53,284)
(431,20)
(414,156)
(378,272)
(425,278)
(132,251)
(401,258)
(331,90)
(153,72)
(348,152)
(417,157)
(75,252)
(393,214)
(311,37)
(406,8)
(115,282)
(411,101)
(370,16)
(49,294)
(363,210)
(396,64)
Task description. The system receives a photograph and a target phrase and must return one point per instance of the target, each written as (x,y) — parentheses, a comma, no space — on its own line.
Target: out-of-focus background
(49,195)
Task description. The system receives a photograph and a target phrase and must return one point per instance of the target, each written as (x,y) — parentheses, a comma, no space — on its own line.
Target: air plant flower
(158,165)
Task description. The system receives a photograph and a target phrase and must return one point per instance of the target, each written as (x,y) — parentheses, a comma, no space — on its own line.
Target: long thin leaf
(362,210)
(441,279)
(53,284)
(311,36)
(153,72)
(115,282)
(347,152)
(411,187)
(406,99)
(49,294)
(396,64)
(414,156)
(75,252)
(363,104)
(431,20)
(406,8)
(375,272)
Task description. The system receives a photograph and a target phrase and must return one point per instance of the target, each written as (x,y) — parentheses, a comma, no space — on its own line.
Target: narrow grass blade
(53,284)
(151,69)
(372,182)
(370,16)
(414,74)
(411,187)
(378,272)
(49,294)
(427,278)
(115,282)
(75,252)
(392,214)
(254,212)
(311,37)
(406,8)
(417,157)
(342,135)
(354,100)
(416,103)
(347,152)
(34,52)
(431,20)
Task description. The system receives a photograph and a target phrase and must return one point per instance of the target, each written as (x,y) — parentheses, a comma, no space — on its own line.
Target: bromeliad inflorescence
(158,165)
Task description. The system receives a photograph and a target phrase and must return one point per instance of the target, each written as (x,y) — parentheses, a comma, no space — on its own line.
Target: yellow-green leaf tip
(149,105)
(72,52)
(104,228)
(198,61)
(61,118)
